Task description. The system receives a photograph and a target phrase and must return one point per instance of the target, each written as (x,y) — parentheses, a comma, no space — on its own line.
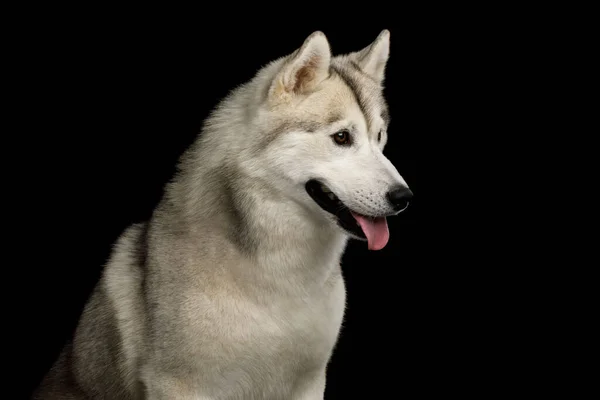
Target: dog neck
(280,238)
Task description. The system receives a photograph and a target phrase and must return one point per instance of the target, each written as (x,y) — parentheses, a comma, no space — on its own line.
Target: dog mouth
(372,229)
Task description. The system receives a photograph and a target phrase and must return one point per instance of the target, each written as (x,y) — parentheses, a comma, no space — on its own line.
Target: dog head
(322,126)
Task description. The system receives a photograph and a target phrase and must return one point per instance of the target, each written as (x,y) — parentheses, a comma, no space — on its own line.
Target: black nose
(399,197)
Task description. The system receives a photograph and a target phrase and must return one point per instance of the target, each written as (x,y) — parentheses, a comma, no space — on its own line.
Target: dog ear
(373,58)
(304,69)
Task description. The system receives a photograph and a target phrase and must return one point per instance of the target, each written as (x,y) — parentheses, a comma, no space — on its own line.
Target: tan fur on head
(304,91)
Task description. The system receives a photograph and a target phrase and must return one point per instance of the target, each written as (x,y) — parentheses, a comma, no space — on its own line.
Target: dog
(233,287)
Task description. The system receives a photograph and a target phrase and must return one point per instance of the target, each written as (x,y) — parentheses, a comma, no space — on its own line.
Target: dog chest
(249,341)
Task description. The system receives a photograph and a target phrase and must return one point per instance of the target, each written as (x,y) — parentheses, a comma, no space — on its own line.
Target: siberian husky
(233,288)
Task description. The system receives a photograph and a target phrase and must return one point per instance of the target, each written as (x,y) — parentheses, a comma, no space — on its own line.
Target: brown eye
(342,137)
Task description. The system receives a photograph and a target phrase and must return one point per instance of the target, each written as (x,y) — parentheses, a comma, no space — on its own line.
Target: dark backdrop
(118,100)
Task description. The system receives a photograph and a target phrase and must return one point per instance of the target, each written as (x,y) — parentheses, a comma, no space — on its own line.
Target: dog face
(323,127)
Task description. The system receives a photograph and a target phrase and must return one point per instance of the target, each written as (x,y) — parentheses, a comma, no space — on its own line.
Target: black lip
(335,207)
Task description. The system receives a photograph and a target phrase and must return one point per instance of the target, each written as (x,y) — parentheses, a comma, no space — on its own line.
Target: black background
(116,102)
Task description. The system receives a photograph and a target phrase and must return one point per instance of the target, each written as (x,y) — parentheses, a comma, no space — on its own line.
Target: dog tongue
(375,229)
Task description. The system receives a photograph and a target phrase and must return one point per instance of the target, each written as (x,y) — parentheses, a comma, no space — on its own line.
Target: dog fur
(233,288)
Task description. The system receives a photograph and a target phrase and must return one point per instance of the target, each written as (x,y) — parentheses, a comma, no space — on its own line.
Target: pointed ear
(304,69)
(373,58)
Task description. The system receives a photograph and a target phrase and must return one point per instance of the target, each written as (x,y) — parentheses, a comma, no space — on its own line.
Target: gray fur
(233,288)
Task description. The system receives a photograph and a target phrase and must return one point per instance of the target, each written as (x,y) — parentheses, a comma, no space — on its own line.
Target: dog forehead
(348,94)
(344,96)
(332,102)
(367,92)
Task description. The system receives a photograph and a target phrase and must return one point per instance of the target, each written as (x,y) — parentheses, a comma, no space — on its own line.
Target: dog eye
(342,137)
(379,137)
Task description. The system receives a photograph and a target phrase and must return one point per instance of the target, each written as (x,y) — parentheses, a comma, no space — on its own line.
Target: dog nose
(399,197)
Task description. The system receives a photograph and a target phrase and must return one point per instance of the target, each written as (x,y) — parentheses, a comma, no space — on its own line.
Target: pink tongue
(376,231)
